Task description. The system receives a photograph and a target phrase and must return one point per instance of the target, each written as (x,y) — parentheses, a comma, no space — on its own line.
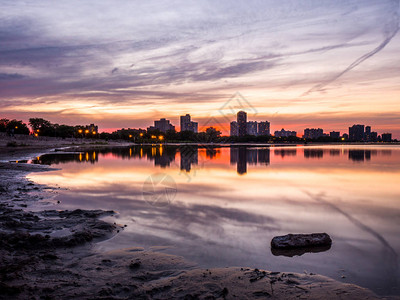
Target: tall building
(356,133)
(251,127)
(264,128)
(242,123)
(163,125)
(386,137)
(313,133)
(370,136)
(187,124)
(234,128)
(284,133)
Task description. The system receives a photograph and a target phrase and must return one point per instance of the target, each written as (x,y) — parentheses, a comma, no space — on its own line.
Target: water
(222,206)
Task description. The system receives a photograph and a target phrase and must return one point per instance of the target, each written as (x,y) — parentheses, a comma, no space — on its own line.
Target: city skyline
(240,127)
(139,61)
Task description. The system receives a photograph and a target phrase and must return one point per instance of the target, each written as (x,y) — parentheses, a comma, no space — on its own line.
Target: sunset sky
(298,64)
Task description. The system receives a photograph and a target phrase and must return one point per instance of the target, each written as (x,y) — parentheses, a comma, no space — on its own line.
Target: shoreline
(49,254)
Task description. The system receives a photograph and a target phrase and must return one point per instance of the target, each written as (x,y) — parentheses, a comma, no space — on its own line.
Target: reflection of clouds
(193,229)
(222,219)
(390,255)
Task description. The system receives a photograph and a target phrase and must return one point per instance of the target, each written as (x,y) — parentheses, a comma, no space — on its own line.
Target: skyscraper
(264,128)
(242,123)
(185,120)
(187,124)
(356,133)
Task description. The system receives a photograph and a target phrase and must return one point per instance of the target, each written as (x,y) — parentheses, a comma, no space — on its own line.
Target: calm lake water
(222,206)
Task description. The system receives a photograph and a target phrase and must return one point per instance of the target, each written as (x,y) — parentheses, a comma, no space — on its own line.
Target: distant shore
(48,254)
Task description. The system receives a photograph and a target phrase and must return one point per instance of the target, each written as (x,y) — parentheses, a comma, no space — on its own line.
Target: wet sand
(48,254)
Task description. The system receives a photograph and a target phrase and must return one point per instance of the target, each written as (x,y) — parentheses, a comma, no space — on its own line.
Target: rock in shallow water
(291,241)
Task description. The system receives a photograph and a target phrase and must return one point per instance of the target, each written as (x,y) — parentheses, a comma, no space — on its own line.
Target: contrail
(358,223)
(391,30)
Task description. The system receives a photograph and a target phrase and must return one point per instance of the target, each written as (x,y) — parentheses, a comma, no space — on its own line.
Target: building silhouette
(234,129)
(264,128)
(361,133)
(187,124)
(370,136)
(313,133)
(386,137)
(163,125)
(251,127)
(334,134)
(284,133)
(356,133)
(242,123)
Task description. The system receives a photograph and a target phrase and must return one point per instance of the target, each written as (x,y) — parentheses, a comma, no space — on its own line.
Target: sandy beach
(48,254)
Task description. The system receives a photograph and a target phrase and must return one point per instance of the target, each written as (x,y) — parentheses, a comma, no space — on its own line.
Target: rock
(291,241)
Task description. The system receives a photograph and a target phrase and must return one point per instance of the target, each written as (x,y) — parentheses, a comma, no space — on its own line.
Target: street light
(160,137)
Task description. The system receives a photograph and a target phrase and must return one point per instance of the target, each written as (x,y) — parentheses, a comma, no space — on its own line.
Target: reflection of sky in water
(232,201)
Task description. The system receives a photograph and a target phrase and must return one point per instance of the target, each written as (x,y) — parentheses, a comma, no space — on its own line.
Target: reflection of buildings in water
(241,156)
(334,152)
(313,153)
(162,157)
(163,161)
(189,156)
(360,155)
(59,158)
(234,154)
(241,166)
(385,152)
(285,152)
(263,156)
(251,156)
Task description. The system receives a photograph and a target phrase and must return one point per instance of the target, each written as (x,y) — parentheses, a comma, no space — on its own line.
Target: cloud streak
(391,29)
(192,54)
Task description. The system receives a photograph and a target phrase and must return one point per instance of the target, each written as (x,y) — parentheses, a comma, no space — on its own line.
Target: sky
(297,64)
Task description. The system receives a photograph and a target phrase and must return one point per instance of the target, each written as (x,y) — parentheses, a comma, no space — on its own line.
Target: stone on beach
(301,240)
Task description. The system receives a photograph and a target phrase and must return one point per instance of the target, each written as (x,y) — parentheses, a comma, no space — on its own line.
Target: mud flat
(48,254)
